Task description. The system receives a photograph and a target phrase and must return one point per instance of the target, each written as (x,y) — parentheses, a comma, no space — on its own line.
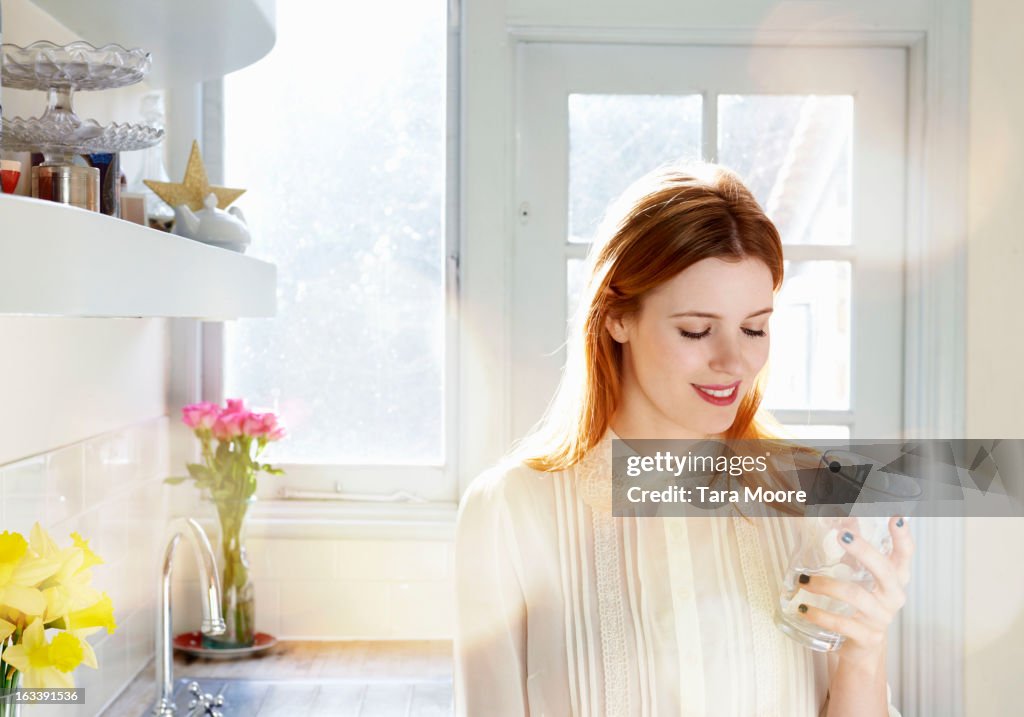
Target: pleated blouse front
(563,609)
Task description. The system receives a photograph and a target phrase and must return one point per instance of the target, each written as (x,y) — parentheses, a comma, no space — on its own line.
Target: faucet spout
(213,618)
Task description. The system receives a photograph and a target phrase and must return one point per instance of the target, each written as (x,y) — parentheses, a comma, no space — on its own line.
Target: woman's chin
(718,424)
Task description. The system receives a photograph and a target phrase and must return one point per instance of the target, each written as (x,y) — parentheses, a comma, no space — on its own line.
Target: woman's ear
(616,326)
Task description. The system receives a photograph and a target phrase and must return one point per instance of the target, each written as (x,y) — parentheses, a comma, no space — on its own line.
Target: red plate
(192,643)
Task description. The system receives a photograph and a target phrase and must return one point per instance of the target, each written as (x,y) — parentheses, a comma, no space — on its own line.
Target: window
(817,134)
(352,210)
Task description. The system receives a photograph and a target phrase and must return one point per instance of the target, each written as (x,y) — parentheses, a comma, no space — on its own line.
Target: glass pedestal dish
(60,134)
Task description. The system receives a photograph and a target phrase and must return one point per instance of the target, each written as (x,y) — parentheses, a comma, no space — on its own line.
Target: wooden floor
(384,679)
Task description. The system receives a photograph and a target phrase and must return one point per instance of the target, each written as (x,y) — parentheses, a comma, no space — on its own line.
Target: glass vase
(237,593)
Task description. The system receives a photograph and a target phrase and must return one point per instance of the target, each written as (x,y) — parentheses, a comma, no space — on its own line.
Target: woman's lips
(732,388)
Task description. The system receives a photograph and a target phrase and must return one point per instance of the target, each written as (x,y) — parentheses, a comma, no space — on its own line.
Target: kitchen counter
(324,662)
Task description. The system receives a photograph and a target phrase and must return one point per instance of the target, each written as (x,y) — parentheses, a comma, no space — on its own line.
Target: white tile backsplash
(424,609)
(311,609)
(383,589)
(109,489)
(391,560)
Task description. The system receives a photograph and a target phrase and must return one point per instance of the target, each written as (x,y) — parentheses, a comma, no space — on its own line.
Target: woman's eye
(691,335)
(749,332)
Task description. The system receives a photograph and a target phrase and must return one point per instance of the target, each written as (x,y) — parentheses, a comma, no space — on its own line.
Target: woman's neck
(625,426)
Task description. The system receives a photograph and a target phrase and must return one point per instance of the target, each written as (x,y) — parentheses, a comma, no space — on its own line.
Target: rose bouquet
(47,608)
(231,439)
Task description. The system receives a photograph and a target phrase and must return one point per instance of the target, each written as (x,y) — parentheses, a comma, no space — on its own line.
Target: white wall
(68,379)
(994,618)
(83,433)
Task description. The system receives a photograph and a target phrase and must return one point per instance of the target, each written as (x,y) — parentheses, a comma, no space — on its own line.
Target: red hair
(666,222)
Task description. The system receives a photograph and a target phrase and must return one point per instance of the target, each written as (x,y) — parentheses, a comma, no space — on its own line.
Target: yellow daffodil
(43,585)
(45,664)
(88,654)
(21,572)
(82,544)
(70,587)
(100,614)
(74,592)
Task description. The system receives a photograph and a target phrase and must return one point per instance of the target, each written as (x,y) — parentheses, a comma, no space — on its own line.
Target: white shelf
(57,260)
(190,40)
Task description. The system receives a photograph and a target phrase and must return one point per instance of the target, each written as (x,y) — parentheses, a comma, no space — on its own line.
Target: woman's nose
(727,358)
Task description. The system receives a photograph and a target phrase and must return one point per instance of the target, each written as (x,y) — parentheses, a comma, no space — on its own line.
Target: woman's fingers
(875,609)
(850,627)
(890,588)
(902,548)
(853,594)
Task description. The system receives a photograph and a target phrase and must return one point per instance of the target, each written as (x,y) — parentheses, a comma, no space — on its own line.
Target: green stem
(8,681)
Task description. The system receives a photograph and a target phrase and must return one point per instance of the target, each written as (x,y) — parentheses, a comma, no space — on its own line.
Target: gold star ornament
(194,188)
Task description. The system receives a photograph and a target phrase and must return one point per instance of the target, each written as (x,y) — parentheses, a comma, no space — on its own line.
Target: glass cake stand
(60,134)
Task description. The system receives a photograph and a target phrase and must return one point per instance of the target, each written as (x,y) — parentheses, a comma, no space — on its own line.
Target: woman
(564,609)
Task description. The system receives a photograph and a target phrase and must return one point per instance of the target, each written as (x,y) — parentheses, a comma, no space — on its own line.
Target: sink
(320,698)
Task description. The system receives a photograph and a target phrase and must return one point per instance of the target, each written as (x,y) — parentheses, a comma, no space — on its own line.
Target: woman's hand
(866,629)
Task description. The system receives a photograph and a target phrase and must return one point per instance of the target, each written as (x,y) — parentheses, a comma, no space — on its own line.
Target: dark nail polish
(805,579)
(802,608)
(899,523)
(847,537)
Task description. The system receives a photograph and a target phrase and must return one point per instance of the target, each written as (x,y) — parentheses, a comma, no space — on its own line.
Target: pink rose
(264,425)
(229,425)
(269,422)
(235,405)
(200,415)
(253,425)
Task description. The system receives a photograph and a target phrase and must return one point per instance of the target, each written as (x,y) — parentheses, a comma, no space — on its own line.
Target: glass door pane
(809,363)
(616,139)
(794,152)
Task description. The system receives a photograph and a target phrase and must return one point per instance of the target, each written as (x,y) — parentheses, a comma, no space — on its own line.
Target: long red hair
(667,221)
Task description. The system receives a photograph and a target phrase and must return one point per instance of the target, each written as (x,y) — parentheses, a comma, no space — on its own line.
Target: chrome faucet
(213,618)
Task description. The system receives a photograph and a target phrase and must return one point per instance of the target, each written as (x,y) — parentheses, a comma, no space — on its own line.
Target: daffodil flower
(98,615)
(82,544)
(45,664)
(70,587)
(21,571)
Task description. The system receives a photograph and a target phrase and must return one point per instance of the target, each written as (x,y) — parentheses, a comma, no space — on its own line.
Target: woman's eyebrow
(706,315)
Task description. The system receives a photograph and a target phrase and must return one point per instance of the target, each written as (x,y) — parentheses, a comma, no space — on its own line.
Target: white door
(819,136)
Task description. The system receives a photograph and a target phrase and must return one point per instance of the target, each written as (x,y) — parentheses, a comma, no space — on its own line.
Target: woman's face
(703,331)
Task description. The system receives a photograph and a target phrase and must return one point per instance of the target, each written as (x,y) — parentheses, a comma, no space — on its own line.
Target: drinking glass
(879,496)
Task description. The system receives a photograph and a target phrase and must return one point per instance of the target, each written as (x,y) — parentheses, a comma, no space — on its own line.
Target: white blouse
(563,609)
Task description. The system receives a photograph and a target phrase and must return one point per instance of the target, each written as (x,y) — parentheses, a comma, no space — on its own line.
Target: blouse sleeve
(490,615)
